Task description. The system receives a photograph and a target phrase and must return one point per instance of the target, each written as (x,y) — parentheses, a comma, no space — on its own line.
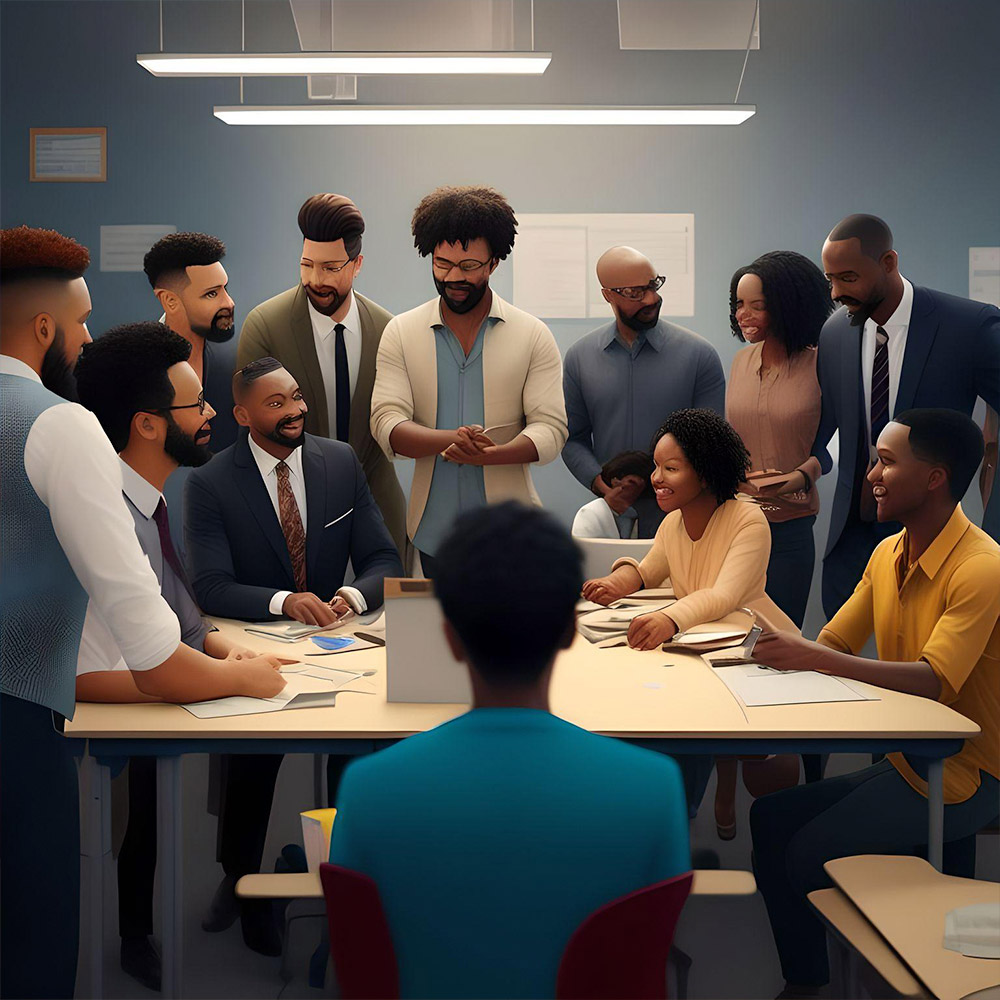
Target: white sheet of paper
(301,690)
(792,687)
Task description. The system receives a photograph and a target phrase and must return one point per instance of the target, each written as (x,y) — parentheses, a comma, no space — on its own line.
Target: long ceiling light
(343,63)
(705,114)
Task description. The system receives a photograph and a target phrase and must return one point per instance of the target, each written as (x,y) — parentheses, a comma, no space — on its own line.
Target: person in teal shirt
(494,836)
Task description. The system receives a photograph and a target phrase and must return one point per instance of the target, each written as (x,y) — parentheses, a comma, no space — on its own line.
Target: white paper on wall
(555,260)
(984,274)
(123,247)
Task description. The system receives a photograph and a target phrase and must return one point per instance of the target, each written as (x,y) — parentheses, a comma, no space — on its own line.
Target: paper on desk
(973,930)
(758,688)
(297,693)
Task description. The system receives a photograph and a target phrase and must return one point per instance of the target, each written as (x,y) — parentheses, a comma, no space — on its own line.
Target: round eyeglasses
(637,291)
(443,266)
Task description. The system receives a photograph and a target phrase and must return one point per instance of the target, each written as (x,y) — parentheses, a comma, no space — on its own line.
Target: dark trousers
(40,859)
(872,811)
(428,564)
(248,790)
(790,568)
(137,857)
(845,565)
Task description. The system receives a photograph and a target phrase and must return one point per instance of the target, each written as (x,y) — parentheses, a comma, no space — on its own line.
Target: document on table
(758,686)
(292,631)
(615,620)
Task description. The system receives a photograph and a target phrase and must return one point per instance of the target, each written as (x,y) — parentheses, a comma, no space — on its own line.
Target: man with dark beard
(327,335)
(891,347)
(466,384)
(624,379)
(270,524)
(137,381)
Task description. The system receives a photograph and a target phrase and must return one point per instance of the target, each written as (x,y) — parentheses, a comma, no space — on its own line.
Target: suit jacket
(236,552)
(952,356)
(522,394)
(281,328)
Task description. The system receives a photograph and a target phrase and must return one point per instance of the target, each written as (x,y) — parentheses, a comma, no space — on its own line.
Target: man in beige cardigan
(466,384)
(326,335)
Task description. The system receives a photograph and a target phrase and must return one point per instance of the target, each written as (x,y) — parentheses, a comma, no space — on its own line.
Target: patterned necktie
(167,546)
(291,527)
(880,385)
(343,384)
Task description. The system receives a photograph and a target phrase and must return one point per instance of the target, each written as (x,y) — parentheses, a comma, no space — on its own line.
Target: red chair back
(621,949)
(360,942)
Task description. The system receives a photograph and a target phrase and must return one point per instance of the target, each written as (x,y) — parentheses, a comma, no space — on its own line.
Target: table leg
(935,813)
(319,781)
(170,863)
(96,846)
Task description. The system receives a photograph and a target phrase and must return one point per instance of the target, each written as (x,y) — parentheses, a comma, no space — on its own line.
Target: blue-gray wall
(884,106)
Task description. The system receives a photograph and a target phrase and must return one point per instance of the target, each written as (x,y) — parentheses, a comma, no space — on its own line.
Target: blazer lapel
(314,471)
(309,376)
(251,485)
(852,395)
(919,339)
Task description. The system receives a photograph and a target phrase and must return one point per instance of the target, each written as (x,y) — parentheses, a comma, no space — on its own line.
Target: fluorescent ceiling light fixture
(343,63)
(705,114)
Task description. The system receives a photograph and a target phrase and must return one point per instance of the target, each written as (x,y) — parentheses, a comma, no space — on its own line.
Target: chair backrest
(360,942)
(621,949)
(600,553)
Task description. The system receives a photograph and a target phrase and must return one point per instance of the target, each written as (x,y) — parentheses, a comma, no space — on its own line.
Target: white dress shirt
(268,465)
(597,520)
(326,342)
(895,326)
(75,472)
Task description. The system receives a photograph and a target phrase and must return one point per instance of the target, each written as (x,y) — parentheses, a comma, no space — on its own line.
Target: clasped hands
(312,610)
(472,446)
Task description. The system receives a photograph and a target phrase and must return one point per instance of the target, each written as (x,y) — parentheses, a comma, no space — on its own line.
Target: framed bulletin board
(69,154)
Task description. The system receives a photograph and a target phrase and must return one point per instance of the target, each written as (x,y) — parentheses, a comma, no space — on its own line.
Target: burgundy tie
(167,546)
(291,527)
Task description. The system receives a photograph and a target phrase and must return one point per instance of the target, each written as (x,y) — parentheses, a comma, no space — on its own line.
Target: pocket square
(341,518)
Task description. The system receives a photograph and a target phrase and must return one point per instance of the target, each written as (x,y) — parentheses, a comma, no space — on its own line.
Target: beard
(286,442)
(183,448)
(475,296)
(634,322)
(215,332)
(56,373)
(322,307)
(864,310)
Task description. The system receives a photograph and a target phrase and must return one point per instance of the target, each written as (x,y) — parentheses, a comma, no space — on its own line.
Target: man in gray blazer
(327,337)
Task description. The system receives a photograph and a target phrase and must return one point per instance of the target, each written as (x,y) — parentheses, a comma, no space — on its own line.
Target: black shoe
(141,961)
(260,932)
(225,907)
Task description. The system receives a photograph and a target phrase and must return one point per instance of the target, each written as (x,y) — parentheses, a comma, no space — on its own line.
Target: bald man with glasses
(624,379)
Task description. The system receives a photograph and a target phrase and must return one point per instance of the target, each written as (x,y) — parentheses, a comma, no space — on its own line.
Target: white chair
(600,553)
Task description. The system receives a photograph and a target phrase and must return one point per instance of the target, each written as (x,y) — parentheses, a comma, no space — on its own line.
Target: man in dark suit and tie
(327,336)
(892,347)
(270,524)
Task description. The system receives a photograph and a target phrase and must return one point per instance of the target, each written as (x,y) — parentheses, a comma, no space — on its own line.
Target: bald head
(621,266)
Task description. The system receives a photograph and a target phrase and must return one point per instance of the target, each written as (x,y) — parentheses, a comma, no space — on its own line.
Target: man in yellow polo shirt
(931,595)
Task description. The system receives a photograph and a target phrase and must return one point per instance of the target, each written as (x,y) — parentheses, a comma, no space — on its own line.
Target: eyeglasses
(187,406)
(443,266)
(637,291)
(330,267)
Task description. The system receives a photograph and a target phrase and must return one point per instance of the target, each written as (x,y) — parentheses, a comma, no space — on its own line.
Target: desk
(682,708)
(905,900)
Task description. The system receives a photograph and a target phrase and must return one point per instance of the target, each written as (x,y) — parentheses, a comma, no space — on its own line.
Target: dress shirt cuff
(354,598)
(278,601)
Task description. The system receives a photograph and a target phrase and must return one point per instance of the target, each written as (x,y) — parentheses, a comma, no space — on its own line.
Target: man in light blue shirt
(494,836)
(623,380)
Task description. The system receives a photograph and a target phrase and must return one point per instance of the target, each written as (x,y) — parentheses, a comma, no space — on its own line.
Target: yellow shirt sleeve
(852,626)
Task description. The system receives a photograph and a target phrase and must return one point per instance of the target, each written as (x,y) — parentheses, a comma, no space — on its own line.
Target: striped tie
(880,385)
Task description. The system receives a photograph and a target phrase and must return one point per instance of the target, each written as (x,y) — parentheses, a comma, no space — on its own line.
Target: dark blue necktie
(343,385)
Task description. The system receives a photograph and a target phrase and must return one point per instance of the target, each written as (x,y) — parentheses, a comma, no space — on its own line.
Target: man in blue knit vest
(65,534)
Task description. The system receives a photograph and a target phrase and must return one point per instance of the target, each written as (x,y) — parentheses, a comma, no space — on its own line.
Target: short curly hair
(124,372)
(715,451)
(27,253)
(798,298)
(461,215)
(166,260)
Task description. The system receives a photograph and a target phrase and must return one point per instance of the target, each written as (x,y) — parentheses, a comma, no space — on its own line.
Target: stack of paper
(756,686)
(615,619)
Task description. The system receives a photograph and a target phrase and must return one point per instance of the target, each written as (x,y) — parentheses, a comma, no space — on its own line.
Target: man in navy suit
(892,347)
(269,526)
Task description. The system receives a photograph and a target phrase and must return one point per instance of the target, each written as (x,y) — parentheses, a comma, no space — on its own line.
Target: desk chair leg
(841,965)
(681,961)
(169,861)
(935,813)
(319,780)
(96,846)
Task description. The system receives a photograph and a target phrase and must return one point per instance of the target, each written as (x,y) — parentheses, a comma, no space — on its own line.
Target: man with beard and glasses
(270,524)
(466,384)
(327,335)
(624,379)
(893,346)
(65,534)
(137,381)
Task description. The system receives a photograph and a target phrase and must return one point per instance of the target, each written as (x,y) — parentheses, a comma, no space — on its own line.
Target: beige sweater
(724,570)
(522,394)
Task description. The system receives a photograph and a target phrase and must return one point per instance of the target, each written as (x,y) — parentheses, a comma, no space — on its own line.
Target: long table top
(616,692)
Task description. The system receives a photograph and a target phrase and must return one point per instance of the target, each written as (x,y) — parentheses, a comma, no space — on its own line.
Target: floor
(219,966)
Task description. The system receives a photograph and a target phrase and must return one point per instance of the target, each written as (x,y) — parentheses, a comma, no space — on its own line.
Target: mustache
(285,421)
(846,300)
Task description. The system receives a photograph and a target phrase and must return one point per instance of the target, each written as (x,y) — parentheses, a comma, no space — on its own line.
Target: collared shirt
(945,610)
(268,466)
(597,520)
(98,649)
(326,341)
(75,472)
(454,488)
(776,411)
(895,326)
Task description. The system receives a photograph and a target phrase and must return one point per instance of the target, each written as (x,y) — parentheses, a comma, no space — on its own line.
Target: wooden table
(905,901)
(672,702)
